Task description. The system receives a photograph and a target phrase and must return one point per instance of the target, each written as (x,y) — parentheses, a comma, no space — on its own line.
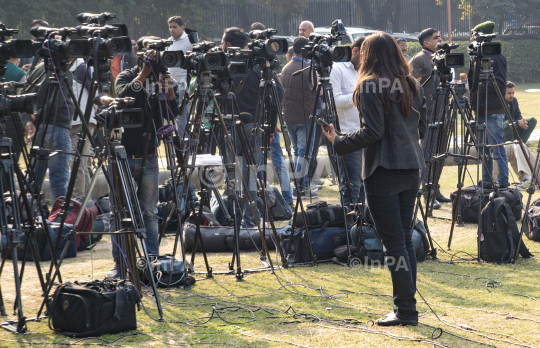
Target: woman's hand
(330,134)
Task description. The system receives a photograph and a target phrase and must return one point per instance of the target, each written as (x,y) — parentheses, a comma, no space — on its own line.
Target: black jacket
(494,105)
(389,139)
(248,97)
(132,139)
(62,109)
(513,106)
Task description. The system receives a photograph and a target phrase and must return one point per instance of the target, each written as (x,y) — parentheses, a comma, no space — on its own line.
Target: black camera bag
(321,213)
(531,224)
(94,309)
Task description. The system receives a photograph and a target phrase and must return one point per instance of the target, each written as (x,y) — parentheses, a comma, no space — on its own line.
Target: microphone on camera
(103,99)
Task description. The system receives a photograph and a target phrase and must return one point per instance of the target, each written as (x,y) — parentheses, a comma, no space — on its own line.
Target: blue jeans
(494,135)
(181,120)
(56,139)
(299,137)
(148,200)
(251,180)
(276,154)
(353,165)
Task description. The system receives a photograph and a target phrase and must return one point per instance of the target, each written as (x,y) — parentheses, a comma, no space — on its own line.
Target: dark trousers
(391,196)
(524,134)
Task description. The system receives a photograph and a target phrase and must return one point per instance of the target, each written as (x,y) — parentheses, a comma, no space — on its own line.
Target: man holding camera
(494,117)
(343,79)
(180,43)
(133,83)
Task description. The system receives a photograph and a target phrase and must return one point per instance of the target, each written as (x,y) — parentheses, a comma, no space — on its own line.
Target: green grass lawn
(476,304)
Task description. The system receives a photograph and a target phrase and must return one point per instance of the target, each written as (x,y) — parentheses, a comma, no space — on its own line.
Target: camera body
(14,48)
(444,60)
(117,113)
(320,49)
(482,46)
(204,56)
(264,47)
(164,59)
(54,42)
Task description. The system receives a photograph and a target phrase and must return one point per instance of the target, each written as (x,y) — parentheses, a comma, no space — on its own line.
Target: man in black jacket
(525,126)
(248,99)
(495,116)
(133,83)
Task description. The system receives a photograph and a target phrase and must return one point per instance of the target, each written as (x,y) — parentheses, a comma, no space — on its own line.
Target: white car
(352,33)
(355,32)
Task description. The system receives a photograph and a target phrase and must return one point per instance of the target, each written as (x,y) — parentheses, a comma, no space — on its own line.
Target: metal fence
(410,16)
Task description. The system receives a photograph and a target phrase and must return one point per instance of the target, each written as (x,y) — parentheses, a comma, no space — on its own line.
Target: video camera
(483,46)
(264,47)
(117,114)
(164,59)
(113,39)
(320,49)
(444,60)
(237,62)
(60,49)
(16,103)
(203,57)
(14,48)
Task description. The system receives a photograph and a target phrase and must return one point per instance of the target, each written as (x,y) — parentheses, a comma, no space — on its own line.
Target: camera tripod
(203,96)
(13,230)
(172,145)
(337,162)
(40,154)
(484,72)
(268,97)
(128,219)
(441,131)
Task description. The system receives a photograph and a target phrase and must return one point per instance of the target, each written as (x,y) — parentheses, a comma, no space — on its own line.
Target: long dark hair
(382,60)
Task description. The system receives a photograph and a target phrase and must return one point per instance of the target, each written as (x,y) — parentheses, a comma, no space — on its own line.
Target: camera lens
(212,61)
(170,59)
(274,47)
(116,46)
(338,55)
(22,103)
(74,49)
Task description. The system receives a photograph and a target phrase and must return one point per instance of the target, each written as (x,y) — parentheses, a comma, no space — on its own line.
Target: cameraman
(495,116)
(53,130)
(422,68)
(248,101)
(343,79)
(133,83)
(180,43)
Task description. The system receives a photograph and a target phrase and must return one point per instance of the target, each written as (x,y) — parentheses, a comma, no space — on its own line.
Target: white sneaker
(524,185)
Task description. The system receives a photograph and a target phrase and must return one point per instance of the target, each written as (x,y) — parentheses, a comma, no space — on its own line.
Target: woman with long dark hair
(393,113)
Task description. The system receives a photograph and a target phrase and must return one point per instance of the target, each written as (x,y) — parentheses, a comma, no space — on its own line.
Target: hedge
(521,56)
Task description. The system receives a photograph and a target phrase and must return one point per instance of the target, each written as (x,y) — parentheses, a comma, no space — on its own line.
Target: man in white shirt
(343,79)
(180,43)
